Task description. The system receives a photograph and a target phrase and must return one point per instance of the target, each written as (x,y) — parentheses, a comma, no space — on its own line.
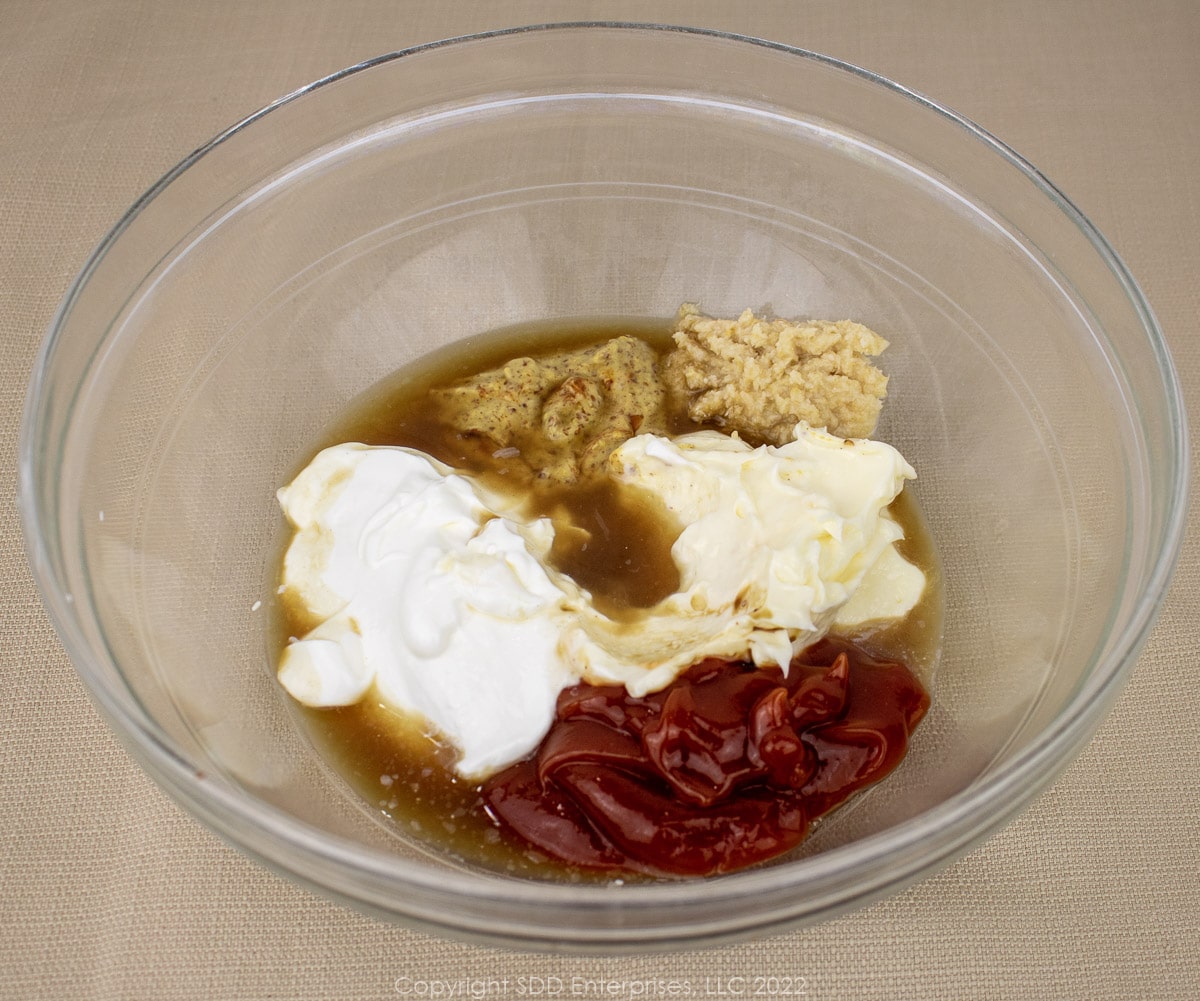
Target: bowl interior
(545,174)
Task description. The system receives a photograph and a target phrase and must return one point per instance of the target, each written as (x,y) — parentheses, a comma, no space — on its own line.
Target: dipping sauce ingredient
(776,541)
(724,769)
(422,594)
(761,376)
(563,413)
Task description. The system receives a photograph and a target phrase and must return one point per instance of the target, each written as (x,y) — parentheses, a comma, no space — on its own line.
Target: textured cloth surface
(108,890)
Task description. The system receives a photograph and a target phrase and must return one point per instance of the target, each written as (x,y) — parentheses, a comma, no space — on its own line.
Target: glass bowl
(597,170)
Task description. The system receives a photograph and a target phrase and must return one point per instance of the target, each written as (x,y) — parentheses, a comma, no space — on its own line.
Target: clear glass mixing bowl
(587,170)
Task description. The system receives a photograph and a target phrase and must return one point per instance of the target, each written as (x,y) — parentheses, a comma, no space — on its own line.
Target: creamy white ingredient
(447,610)
(431,590)
(776,541)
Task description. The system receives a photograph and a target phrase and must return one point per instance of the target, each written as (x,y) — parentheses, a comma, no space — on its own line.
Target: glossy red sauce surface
(724,768)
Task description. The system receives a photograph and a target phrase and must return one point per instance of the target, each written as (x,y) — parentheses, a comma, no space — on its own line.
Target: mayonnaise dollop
(427,589)
(776,541)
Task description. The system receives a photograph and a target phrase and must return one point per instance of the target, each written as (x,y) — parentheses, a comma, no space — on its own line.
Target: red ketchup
(725,767)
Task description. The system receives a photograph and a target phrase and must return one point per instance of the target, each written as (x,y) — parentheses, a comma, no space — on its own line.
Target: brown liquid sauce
(623,559)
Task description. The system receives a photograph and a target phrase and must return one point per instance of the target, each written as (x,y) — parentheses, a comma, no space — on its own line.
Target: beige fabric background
(107,890)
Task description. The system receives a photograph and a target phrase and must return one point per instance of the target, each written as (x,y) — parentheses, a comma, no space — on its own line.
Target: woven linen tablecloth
(108,890)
